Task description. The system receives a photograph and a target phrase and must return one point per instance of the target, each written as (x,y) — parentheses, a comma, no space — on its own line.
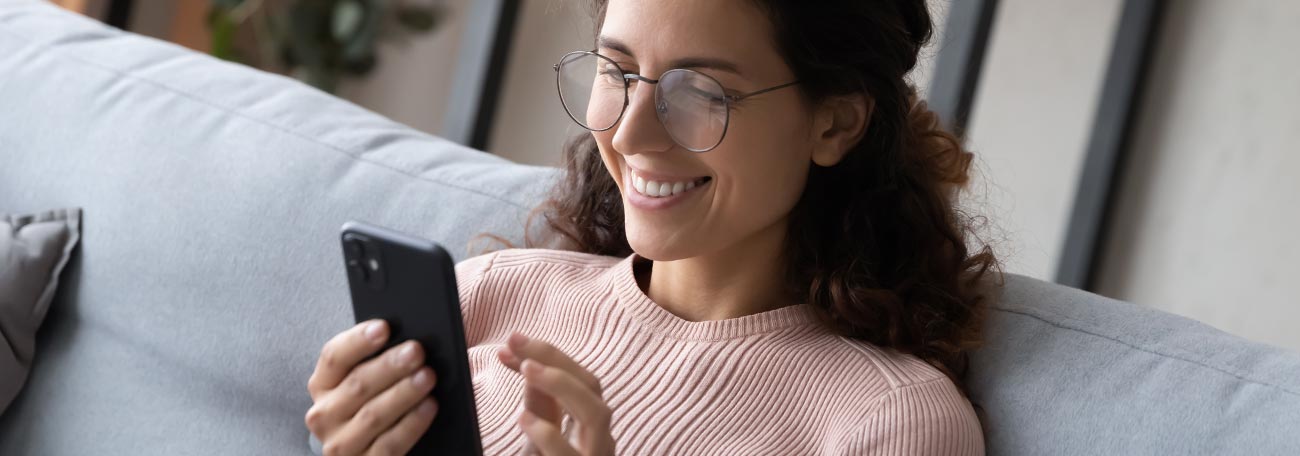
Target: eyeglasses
(693,107)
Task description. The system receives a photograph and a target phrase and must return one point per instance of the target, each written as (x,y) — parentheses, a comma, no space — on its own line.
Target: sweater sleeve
(470,278)
(469,275)
(928,418)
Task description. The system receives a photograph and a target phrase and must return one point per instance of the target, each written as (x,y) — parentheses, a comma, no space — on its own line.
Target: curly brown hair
(876,242)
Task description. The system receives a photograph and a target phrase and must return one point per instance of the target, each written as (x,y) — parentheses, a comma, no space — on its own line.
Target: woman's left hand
(553,384)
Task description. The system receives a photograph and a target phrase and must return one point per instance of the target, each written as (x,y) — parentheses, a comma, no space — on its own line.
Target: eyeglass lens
(691,106)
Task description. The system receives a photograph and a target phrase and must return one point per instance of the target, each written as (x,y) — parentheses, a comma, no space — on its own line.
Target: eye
(695,93)
(610,73)
(704,94)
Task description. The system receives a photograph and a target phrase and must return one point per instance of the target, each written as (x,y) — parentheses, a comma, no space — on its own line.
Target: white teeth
(659,189)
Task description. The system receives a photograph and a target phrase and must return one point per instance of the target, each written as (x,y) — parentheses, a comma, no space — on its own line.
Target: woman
(765,255)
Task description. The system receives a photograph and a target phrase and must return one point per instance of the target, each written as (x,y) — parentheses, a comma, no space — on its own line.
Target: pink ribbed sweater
(775,382)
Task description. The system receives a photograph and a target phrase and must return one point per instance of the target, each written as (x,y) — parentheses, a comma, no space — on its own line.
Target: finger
(521,348)
(344,351)
(368,380)
(403,436)
(540,403)
(545,435)
(508,358)
(584,404)
(378,415)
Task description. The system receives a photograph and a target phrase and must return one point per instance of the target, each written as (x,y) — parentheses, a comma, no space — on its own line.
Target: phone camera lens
(354,248)
(364,260)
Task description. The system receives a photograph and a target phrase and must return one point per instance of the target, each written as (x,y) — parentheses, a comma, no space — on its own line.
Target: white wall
(531,126)
(1209,210)
(414,77)
(414,81)
(1031,121)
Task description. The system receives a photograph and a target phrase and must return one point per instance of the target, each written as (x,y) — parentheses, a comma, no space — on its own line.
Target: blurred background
(1140,149)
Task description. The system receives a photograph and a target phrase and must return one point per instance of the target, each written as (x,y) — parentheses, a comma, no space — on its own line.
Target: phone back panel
(411,284)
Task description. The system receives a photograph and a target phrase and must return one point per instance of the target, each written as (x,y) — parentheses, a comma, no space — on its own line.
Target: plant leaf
(226,4)
(416,18)
(346,20)
(223,33)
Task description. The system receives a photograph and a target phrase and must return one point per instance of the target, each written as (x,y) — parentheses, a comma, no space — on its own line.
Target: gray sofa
(208,273)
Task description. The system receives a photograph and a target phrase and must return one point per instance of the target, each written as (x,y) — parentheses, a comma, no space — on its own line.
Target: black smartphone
(411,283)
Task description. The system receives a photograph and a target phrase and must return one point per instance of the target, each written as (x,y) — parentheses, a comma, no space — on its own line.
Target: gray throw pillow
(33,250)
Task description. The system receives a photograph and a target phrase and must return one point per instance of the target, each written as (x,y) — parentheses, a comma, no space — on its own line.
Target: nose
(639,131)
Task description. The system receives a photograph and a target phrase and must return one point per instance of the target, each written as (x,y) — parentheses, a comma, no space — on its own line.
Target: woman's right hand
(377,407)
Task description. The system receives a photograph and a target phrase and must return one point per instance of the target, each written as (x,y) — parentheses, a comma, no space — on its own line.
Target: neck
(745,278)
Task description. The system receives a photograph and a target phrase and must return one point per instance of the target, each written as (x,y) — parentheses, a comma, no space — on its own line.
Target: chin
(657,245)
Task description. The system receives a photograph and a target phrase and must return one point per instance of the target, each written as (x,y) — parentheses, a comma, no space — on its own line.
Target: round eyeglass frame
(727,100)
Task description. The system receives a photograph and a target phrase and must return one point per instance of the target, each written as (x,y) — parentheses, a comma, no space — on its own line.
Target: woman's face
(747,184)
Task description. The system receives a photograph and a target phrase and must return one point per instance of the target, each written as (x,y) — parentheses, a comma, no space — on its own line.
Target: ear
(839,124)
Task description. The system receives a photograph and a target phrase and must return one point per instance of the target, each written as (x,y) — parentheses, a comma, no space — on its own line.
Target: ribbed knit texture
(775,382)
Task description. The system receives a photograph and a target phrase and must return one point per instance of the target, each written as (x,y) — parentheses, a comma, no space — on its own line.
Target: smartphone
(411,283)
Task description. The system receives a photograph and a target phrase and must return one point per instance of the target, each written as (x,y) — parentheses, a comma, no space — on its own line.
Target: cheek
(613,164)
(767,170)
(761,180)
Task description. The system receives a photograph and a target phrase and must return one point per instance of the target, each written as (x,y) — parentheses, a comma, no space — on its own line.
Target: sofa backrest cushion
(1069,372)
(209,272)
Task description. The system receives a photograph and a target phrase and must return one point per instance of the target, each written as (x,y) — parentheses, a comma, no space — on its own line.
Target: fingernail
(525,418)
(375,331)
(508,356)
(531,366)
(426,407)
(422,379)
(407,355)
(518,339)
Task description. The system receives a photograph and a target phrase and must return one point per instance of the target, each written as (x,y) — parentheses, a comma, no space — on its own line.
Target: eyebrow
(685,62)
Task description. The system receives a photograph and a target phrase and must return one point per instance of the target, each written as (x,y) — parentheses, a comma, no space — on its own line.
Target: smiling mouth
(661,189)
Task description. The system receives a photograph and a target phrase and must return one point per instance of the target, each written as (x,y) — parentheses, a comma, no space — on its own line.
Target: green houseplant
(316,41)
